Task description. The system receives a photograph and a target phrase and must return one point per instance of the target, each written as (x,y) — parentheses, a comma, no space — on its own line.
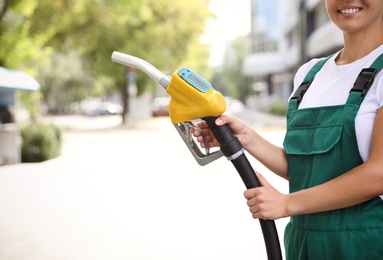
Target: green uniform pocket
(316,161)
(323,140)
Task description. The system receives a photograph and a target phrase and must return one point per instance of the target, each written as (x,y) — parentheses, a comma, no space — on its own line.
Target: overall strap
(364,81)
(301,90)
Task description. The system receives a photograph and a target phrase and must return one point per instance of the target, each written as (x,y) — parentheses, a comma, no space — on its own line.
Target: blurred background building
(285,34)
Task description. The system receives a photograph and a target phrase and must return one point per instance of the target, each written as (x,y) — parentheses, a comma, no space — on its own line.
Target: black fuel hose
(230,146)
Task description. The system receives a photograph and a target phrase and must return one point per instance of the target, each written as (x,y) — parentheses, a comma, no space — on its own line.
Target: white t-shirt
(332,85)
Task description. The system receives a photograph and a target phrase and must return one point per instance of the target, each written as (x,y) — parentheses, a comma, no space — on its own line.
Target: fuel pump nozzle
(186,89)
(193,98)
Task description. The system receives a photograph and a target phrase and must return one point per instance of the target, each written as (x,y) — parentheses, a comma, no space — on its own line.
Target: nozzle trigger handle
(201,158)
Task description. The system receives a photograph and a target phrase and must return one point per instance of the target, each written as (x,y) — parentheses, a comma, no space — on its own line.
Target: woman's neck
(358,45)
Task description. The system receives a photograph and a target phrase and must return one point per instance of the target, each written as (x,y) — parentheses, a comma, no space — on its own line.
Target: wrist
(250,138)
(291,206)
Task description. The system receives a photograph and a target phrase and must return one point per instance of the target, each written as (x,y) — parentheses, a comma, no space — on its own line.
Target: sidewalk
(128,192)
(78,123)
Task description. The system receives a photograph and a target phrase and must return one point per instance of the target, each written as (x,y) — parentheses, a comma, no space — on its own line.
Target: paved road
(128,193)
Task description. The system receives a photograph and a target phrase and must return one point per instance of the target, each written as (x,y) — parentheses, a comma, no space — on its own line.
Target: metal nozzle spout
(128,60)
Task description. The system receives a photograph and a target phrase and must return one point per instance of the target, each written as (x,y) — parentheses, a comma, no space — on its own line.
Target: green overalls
(321,144)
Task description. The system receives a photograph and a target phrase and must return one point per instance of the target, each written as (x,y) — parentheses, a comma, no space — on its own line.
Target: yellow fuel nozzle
(192,97)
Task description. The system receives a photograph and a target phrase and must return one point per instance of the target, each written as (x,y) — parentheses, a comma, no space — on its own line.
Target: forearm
(270,155)
(356,186)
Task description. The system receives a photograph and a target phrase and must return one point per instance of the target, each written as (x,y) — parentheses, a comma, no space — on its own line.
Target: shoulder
(377,88)
(304,70)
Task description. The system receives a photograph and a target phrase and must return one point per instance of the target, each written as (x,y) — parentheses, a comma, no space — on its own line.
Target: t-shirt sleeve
(380,89)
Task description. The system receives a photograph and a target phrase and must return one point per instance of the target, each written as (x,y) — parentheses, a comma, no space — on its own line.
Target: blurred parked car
(106,108)
(160,106)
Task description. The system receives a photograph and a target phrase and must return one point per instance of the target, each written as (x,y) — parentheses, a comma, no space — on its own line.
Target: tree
(20,47)
(163,32)
(228,77)
(64,81)
(152,30)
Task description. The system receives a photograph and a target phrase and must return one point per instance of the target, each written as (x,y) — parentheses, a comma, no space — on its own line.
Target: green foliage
(278,108)
(35,33)
(228,78)
(30,101)
(64,80)
(20,46)
(40,142)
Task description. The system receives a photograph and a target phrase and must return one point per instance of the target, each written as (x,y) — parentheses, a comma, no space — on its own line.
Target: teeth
(350,11)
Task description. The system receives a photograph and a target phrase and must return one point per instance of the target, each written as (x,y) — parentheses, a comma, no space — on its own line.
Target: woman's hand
(266,202)
(239,129)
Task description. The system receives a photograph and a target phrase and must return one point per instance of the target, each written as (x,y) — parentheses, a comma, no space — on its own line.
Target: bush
(40,142)
(278,109)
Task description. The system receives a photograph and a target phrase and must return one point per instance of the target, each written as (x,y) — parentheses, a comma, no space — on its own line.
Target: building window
(265,29)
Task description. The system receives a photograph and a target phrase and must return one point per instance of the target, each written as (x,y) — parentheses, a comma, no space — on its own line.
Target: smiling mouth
(350,11)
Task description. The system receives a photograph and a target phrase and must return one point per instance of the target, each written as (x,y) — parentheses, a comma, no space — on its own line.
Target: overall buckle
(364,80)
(301,90)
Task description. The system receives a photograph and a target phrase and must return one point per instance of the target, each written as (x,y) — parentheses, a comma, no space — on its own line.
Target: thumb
(262,180)
(222,120)
(219,121)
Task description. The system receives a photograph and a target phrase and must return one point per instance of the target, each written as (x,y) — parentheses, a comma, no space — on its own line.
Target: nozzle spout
(143,65)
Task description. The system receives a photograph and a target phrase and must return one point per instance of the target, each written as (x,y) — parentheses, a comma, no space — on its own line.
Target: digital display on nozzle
(194,80)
